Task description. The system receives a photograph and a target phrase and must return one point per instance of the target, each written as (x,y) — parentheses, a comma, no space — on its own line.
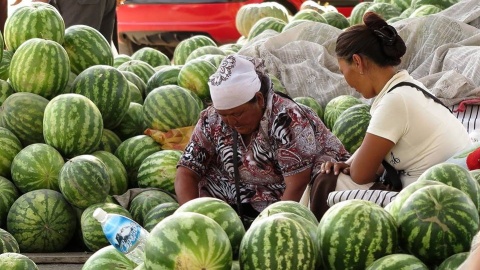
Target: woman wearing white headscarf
(280,147)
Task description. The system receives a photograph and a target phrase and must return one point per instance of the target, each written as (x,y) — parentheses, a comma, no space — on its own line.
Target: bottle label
(125,236)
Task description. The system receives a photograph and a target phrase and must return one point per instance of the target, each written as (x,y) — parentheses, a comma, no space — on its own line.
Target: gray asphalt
(59,266)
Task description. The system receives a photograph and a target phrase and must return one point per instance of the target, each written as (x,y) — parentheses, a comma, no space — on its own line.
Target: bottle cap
(99,214)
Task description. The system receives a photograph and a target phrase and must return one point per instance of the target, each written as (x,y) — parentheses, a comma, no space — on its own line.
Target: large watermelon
(108,258)
(249,14)
(109,141)
(266,23)
(8,242)
(36,167)
(84,181)
(140,68)
(159,170)
(5,64)
(351,126)
(336,106)
(356,16)
(436,222)
(165,76)
(311,103)
(336,19)
(222,213)
(363,232)
(194,76)
(385,10)
(288,207)
(135,79)
(133,151)
(453,262)
(8,195)
(32,21)
(23,115)
(5,90)
(41,221)
(310,15)
(108,89)
(170,106)
(188,241)
(10,145)
(277,242)
(86,47)
(158,213)
(72,124)
(398,262)
(41,67)
(16,261)
(187,46)
(145,201)
(132,123)
(205,50)
(151,56)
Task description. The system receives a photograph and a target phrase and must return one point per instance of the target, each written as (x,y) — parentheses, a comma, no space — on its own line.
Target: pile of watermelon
(73,118)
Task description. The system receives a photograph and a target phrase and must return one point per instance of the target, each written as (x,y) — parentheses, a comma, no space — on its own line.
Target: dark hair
(264,87)
(374,39)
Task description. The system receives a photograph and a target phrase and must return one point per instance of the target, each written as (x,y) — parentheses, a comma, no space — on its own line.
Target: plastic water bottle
(124,234)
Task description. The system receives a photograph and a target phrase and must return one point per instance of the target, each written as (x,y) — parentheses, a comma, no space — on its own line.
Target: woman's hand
(335,167)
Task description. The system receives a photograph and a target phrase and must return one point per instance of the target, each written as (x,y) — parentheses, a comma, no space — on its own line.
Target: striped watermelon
(266,23)
(109,141)
(222,213)
(205,50)
(10,145)
(310,15)
(398,262)
(108,89)
(31,21)
(407,12)
(356,16)
(336,19)
(170,106)
(402,4)
(84,180)
(120,59)
(311,103)
(8,243)
(16,261)
(194,76)
(385,10)
(187,46)
(188,240)
(425,10)
(289,207)
(394,207)
(456,176)
(165,76)
(8,195)
(436,222)
(159,170)
(336,106)
(140,68)
(158,213)
(453,262)
(23,115)
(135,94)
(249,14)
(356,245)
(277,242)
(351,126)
(231,47)
(132,123)
(72,124)
(145,201)
(5,64)
(135,79)
(5,90)
(92,232)
(41,221)
(86,47)
(115,170)
(313,5)
(108,258)
(36,167)
(214,59)
(151,56)
(294,23)
(46,79)
(132,152)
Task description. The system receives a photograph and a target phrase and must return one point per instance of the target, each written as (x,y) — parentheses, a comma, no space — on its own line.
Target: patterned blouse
(285,144)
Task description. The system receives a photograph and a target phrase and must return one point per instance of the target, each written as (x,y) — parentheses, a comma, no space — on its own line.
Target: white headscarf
(234,83)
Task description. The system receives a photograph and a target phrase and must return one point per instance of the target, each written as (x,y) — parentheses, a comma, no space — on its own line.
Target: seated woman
(280,144)
(409,128)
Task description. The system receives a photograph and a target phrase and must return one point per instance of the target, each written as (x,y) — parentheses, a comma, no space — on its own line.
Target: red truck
(162,24)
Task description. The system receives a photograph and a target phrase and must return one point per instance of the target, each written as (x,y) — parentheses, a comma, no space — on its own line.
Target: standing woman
(280,144)
(408,128)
